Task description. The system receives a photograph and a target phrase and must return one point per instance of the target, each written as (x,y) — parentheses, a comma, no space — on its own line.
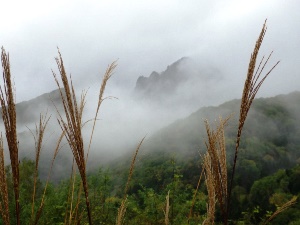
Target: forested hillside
(267,172)
(267,168)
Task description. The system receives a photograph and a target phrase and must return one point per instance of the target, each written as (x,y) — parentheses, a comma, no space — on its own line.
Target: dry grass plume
(4,209)
(285,206)
(251,87)
(122,209)
(72,125)
(215,168)
(10,124)
(38,140)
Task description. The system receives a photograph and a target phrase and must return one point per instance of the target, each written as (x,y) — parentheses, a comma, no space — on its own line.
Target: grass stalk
(72,126)
(285,206)
(211,191)
(122,209)
(167,210)
(195,195)
(10,124)
(108,73)
(215,167)
(38,139)
(251,87)
(4,208)
(40,209)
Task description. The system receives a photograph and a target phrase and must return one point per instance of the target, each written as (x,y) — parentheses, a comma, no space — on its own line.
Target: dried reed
(281,209)
(39,211)
(122,209)
(251,87)
(38,140)
(108,73)
(211,190)
(69,215)
(10,123)
(167,210)
(72,126)
(215,167)
(194,197)
(4,210)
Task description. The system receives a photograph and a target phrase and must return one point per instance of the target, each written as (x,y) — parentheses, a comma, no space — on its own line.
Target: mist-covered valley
(164,106)
(125,117)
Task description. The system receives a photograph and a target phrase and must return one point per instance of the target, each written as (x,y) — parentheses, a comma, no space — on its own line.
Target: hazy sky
(145,36)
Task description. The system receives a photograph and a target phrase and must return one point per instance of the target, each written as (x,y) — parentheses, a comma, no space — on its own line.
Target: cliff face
(160,85)
(185,85)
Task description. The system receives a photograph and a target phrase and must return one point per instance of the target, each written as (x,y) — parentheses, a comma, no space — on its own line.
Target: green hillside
(267,173)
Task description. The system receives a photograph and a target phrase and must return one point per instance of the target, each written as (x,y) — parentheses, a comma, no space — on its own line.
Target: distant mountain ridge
(181,83)
(29,111)
(270,141)
(162,83)
(276,119)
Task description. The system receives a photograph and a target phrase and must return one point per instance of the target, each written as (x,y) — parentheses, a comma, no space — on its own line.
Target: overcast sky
(146,36)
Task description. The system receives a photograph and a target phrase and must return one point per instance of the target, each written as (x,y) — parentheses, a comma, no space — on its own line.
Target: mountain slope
(269,118)
(270,141)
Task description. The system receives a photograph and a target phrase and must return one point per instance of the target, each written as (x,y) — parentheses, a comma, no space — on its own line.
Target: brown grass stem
(211,191)
(39,211)
(4,208)
(72,125)
(108,73)
(167,210)
(38,139)
(195,195)
(10,124)
(215,166)
(122,209)
(285,206)
(251,87)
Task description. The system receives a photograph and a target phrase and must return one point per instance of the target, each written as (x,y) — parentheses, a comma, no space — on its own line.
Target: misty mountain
(270,136)
(28,111)
(165,83)
(268,117)
(28,116)
(183,83)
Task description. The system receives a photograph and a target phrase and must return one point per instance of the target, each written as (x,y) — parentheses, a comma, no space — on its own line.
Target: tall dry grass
(211,190)
(215,169)
(57,148)
(251,87)
(4,207)
(285,206)
(122,208)
(10,123)
(9,119)
(214,161)
(72,124)
(38,140)
(167,209)
(195,195)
